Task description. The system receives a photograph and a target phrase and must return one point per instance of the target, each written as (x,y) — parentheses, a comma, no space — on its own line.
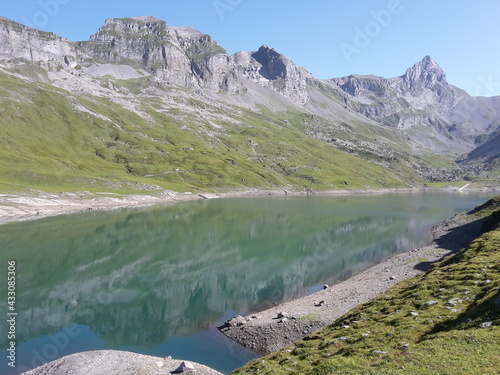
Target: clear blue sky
(330,38)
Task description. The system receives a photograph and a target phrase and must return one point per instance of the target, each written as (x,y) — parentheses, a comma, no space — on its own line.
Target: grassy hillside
(54,140)
(446,321)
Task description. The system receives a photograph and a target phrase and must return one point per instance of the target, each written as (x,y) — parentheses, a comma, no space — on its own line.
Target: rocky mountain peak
(274,65)
(267,51)
(269,67)
(147,19)
(145,33)
(131,28)
(151,44)
(426,72)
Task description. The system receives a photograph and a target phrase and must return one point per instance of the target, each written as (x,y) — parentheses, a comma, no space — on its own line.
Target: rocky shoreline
(39,204)
(276,328)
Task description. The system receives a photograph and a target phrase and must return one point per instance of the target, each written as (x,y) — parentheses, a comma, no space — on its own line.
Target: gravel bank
(273,329)
(114,362)
(38,204)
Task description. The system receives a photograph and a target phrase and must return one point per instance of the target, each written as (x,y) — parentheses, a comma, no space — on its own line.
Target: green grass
(430,324)
(418,260)
(48,145)
(374,143)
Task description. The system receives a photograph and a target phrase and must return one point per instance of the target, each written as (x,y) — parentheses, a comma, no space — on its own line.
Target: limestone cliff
(19,42)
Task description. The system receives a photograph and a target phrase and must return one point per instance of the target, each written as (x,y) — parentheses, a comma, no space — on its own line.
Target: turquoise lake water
(159,280)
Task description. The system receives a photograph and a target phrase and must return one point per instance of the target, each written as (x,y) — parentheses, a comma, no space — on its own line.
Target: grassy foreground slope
(446,321)
(54,140)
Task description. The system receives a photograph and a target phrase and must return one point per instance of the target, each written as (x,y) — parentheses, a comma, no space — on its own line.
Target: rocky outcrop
(425,73)
(144,42)
(19,42)
(270,68)
(421,96)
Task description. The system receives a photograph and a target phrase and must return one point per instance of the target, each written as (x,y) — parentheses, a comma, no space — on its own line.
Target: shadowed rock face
(272,69)
(273,65)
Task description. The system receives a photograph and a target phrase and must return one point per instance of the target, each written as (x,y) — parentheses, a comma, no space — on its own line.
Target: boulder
(184,367)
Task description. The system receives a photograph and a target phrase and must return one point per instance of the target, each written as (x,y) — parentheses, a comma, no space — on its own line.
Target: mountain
(144,105)
(421,103)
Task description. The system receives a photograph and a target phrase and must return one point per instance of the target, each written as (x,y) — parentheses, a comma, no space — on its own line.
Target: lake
(159,280)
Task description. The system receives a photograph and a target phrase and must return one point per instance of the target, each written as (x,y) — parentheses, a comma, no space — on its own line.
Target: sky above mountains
(328,38)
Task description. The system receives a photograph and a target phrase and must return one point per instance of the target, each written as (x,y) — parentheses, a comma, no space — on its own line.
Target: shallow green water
(158,280)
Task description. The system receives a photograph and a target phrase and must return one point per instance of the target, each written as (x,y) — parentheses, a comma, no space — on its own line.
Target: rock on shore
(114,362)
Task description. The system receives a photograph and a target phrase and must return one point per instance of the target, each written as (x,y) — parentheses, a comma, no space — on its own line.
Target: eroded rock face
(421,96)
(270,68)
(179,56)
(425,73)
(22,42)
(144,42)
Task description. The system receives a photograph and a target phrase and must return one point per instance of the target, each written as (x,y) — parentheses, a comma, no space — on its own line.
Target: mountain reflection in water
(138,278)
